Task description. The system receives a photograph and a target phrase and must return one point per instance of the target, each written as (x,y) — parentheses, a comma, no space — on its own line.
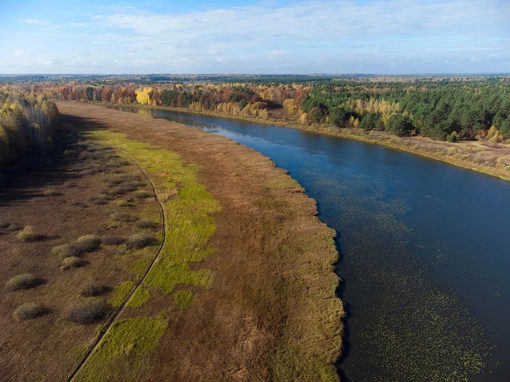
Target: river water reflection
(424,246)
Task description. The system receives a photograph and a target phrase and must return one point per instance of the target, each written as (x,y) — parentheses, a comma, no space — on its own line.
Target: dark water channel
(425,252)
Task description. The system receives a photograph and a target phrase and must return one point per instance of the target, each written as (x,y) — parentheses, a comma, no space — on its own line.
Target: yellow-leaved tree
(144,95)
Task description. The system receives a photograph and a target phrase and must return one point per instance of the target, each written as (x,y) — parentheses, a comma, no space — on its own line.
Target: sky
(255,37)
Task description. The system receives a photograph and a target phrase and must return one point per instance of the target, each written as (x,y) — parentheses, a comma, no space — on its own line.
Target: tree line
(441,108)
(27,125)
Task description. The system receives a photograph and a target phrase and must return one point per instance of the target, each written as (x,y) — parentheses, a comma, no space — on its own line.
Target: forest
(27,125)
(453,109)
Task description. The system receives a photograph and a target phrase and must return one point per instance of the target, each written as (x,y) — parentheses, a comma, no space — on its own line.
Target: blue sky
(265,36)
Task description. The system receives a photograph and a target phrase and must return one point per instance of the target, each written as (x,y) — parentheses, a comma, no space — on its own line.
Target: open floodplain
(151,251)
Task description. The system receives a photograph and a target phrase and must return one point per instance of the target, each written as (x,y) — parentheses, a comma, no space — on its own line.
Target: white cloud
(277,55)
(34,21)
(307,36)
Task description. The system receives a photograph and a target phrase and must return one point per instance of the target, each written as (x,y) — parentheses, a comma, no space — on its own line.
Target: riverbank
(271,312)
(486,157)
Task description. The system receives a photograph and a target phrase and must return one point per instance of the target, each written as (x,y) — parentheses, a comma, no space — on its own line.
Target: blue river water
(425,252)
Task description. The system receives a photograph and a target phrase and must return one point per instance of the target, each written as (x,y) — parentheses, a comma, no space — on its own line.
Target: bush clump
(87,243)
(14,227)
(89,312)
(72,262)
(65,250)
(124,218)
(28,235)
(112,240)
(142,194)
(146,224)
(23,281)
(141,240)
(29,311)
(100,199)
(51,192)
(93,289)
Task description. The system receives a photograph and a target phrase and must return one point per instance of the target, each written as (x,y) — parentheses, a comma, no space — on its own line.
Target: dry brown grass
(270,310)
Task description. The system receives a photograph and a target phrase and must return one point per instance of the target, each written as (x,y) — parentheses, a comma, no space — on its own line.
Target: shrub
(112,240)
(72,262)
(23,281)
(28,235)
(65,250)
(146,223)
(124,218)
(51,192)
(123,203)
(28,311)
(89,312)
(87,243)
(14,227)
(123,189)
(142,194)
(93,289)
(141,240)
(100,199)
(453,137)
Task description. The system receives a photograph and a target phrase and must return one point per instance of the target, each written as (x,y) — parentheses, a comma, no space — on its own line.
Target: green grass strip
(187,207)
(122,352)
(120,292)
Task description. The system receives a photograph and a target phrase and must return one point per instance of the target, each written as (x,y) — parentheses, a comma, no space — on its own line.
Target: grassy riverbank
(263,305)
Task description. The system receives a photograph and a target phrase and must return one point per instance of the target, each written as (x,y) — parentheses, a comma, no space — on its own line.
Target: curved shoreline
(273,299)
(422,146)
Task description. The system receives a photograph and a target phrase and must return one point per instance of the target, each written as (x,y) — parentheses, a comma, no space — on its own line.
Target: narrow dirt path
(118,310)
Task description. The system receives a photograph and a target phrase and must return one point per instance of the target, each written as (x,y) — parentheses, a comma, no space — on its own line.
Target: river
(425,252)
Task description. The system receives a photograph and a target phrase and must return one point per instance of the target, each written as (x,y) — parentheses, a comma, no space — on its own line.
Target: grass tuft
(93,289)
(89,312)
(87,243)
(72,262)
(65,250)
(112,240)
(100,199)
(29,311)
(142,194)
(123,217)
(51,192)
(23,281)
(146,224)
(14,227)
(141,240)
(28,235)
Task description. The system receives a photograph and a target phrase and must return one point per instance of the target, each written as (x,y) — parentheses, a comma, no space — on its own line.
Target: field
(151,251)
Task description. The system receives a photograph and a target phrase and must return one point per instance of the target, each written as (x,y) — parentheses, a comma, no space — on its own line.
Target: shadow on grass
(24,179)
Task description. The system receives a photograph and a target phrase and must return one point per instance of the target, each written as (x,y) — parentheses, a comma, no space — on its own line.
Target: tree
(371,121)
(340,115)
(399,124)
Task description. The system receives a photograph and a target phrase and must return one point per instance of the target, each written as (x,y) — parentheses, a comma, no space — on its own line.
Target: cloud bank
(306,37)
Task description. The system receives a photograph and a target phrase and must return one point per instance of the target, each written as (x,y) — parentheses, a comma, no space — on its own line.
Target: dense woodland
(27,125)
(441,108)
